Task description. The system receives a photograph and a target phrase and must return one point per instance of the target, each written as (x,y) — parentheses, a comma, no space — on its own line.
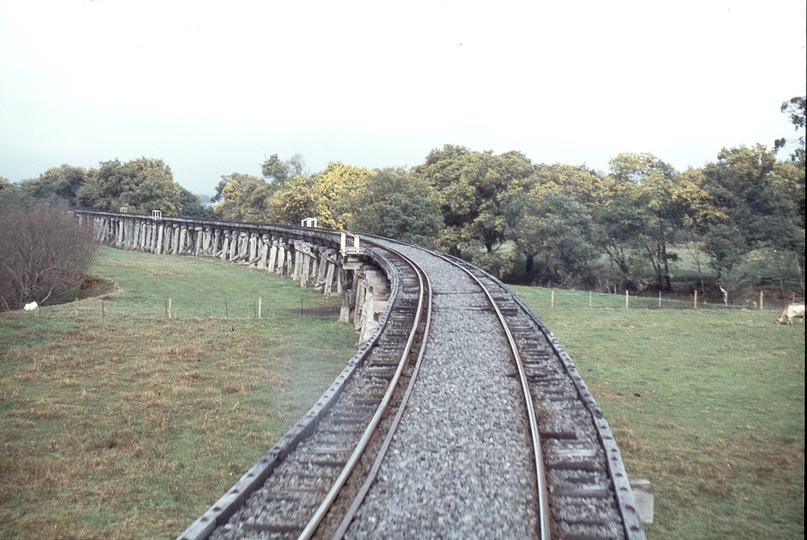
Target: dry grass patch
(131,428)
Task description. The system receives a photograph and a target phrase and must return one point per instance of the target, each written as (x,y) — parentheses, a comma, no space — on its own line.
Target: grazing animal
(790,312)
(33,305)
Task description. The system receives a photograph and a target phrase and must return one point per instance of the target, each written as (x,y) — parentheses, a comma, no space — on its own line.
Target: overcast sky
(213,88)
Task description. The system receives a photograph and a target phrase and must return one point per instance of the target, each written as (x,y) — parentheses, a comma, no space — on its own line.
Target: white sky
(216,87)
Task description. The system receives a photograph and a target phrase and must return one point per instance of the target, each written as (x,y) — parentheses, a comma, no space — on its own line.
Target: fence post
(761,300)
(589,299)
(659,299)
(259,306)
(627,296)
(169,308)
(103,315)
(696,298)
(552,300)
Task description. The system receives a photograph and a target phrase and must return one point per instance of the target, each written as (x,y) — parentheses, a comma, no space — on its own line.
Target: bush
(41,248)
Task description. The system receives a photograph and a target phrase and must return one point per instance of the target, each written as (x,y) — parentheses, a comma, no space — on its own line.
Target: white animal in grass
(33,305)
(790,312)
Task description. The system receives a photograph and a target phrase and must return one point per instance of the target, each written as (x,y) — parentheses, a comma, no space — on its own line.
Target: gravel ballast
(460,464)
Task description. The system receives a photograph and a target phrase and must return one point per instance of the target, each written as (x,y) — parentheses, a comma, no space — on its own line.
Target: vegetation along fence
(256,308)
(171,308)
(561,299)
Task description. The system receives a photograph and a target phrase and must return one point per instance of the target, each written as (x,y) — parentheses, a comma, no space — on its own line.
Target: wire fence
(268,308)
(560,298)
(170,308)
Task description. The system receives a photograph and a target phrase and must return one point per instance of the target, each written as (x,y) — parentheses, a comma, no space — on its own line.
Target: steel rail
(368,482)
(543,495)
(347,470)
(542,490)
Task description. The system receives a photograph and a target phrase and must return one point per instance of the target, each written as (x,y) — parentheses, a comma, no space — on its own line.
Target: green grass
(132,425)
(708,405)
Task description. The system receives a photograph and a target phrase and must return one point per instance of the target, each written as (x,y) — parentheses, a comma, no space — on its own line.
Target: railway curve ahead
(462,464)
(460,416)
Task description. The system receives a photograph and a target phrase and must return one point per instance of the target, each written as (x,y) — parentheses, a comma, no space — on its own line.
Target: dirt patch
(604,392)
(81,287)
(90,283)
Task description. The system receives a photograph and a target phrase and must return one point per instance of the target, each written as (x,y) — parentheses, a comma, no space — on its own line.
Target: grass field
(708,405)
(132,425)
(118,422)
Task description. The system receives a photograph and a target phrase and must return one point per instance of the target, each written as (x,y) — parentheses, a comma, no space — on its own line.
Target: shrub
(41,248)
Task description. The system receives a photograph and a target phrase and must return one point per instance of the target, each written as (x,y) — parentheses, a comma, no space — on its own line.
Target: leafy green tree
(141,185)
(725,246)
(295,201)
(275,170)
(191,205)
(62,182)
(698,214)
(330,196)
(242,197)
(618,230)
(795,110)
(758,204)
(336,192)
(6,187)
(555,231)
(468,185)
(736,184)
(782,219)
(645,217)
(398,204)
(579,183)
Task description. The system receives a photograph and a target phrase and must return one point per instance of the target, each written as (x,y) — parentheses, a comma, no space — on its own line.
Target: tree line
(549,224)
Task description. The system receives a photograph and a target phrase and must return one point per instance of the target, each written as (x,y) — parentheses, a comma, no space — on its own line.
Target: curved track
(461,416)
(368,469)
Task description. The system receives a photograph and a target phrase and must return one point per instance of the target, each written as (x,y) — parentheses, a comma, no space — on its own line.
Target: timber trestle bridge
(459,416)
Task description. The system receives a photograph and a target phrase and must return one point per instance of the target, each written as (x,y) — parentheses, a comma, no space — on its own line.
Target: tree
(331,196)
(618,229)
(398,204)
(191,205)
(644,186)
(63,182)
(296,165)
(6,187)
(468,185)
(336,193)
(698,214)
(579,183)
(41,248)
(795,110)
(739,186)
(275,170)
(141,185)
(295,201)
(756,204)
(555,230)
(242,197)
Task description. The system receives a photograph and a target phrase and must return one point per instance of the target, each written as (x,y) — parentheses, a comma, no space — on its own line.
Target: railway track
(497,437)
